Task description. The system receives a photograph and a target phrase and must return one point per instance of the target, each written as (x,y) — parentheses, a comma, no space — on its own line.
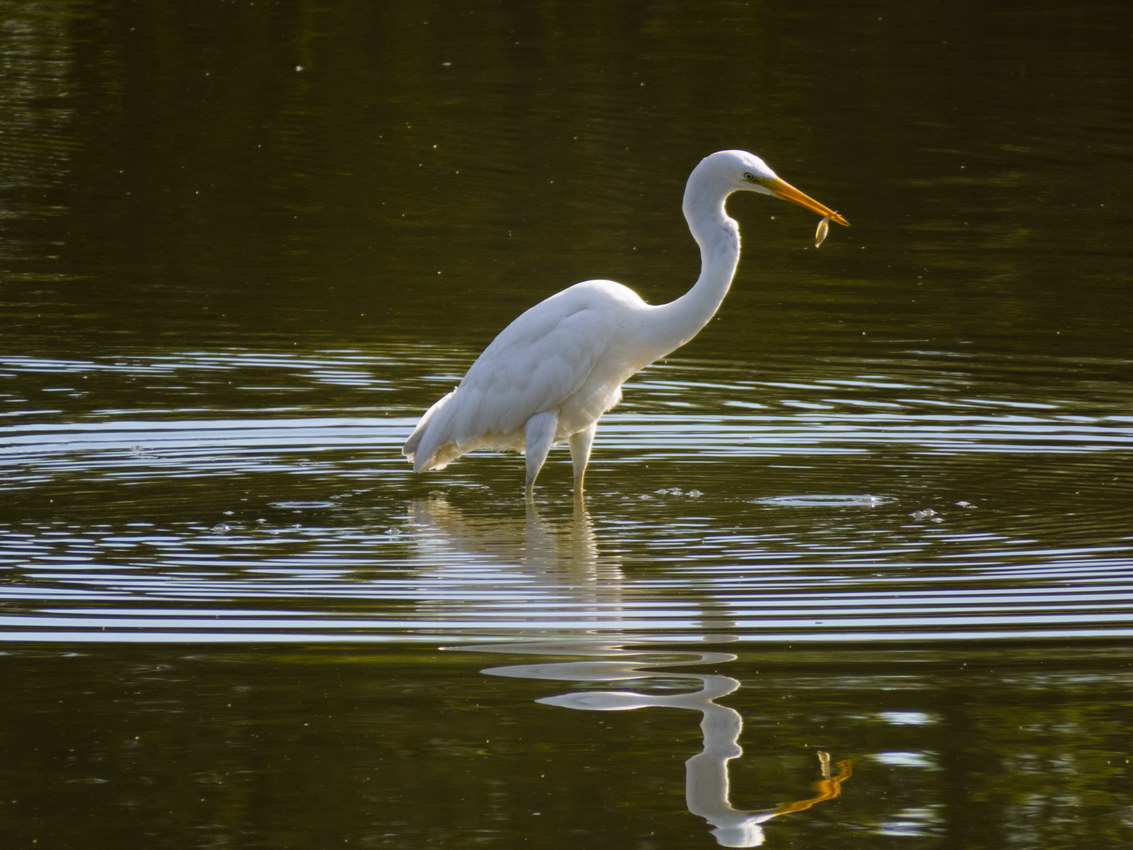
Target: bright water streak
(872,502)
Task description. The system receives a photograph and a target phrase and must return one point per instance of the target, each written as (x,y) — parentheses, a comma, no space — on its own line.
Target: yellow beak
(783,189)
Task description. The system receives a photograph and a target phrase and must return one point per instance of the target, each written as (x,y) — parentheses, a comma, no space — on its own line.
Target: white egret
(551,374)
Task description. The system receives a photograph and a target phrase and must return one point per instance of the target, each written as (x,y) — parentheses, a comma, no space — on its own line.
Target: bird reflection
(563,559)
(515,571)
(541,547)
(707,788)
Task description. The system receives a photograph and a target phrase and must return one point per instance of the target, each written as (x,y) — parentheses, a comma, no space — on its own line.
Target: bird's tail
(421,448)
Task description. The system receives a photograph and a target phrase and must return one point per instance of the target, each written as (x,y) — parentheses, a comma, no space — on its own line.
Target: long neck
(718,236)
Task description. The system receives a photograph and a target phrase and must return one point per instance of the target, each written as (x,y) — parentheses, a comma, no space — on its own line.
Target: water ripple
(871,503)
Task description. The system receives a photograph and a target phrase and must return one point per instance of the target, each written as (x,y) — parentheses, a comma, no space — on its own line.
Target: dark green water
(881,508)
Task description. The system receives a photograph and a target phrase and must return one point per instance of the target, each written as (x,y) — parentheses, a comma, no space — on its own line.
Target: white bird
(551,374)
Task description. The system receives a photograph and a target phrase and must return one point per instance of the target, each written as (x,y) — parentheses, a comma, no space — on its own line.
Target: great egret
(556,369)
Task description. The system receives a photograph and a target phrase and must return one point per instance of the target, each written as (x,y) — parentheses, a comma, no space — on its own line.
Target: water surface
(855,565)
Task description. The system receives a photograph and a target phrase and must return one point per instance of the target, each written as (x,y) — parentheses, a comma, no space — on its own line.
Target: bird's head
(741,171)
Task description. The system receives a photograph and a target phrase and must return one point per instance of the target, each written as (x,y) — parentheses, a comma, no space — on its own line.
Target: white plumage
(551,374)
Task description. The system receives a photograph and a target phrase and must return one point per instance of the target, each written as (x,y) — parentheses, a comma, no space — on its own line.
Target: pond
(855,565)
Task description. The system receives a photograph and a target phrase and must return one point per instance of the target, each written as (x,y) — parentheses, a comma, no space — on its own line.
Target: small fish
(823,229)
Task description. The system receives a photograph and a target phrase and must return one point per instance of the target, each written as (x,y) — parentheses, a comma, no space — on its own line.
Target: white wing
(555,353)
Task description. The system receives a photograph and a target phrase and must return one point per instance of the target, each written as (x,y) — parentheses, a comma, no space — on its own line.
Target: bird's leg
(538,435)
(580,443)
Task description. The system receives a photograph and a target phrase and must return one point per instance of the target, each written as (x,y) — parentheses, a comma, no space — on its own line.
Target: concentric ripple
(876,502)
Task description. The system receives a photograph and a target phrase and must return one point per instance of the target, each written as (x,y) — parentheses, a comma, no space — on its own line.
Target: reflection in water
(707,787)
(544,550)
(542,547)
(527,569)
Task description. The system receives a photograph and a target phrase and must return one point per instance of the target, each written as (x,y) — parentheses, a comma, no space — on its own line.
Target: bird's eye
(749,177)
